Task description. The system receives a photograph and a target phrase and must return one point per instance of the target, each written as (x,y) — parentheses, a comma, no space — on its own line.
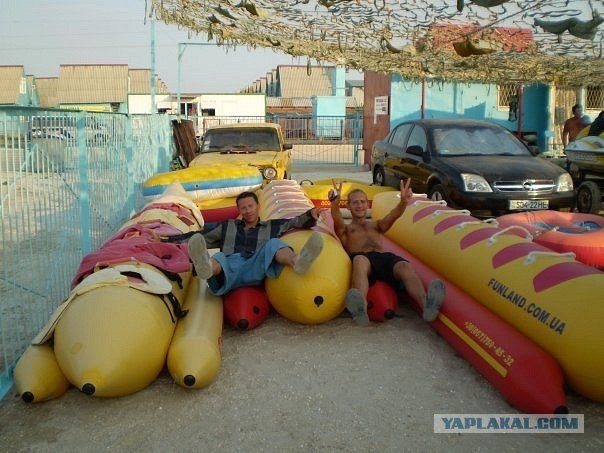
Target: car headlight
(475,183)
(565,183)
(269,173)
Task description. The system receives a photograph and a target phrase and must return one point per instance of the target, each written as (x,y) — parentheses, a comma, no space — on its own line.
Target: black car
(475,165)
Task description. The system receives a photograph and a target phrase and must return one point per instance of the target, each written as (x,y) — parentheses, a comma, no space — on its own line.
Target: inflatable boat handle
(450,211)
(493,238)
(532,256)
(462,225)
(418,202)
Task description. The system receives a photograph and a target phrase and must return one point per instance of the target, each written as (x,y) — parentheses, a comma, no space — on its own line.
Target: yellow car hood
(259,159)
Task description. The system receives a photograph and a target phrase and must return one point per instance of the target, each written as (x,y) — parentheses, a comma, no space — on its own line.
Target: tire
(379,178)
(437,193)
(589,198)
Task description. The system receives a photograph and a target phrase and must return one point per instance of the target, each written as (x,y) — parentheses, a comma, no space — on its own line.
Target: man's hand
(406,192)
(335,193)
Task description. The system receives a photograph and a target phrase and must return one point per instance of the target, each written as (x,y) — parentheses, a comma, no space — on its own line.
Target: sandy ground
(293,388)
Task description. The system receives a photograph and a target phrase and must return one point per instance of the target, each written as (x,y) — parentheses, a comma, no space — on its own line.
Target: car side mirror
(287,146)
(535,151)
(416,150)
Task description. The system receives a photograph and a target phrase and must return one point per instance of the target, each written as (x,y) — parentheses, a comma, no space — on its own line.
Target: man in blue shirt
(250,248)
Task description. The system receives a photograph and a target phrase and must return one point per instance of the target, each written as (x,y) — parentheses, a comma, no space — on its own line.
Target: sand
(286,387)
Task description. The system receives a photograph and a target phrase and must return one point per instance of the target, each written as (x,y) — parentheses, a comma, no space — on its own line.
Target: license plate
(528,204)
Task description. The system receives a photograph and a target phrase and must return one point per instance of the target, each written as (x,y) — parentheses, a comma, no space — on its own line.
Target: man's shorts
(239,271)
(382,266)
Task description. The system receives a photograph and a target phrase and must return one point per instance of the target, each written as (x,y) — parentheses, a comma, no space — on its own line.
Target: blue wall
(332,107)
(468,100)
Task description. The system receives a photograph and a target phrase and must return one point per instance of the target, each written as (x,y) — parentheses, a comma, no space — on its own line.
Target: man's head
(247,205)
(577,110)
(357,203)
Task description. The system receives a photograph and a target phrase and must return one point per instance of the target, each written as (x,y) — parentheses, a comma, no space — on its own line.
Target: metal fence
(68,180)
(316,140)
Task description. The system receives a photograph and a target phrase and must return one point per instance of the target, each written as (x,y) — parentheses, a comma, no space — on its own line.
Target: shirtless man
(362,240)
(573,125)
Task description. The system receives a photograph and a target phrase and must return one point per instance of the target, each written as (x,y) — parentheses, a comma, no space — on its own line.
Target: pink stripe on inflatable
(513,252)
(476,236)
(425,212)
(448,222)
(560,273)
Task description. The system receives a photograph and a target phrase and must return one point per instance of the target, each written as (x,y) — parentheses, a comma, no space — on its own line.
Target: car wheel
(379,177)
(589,198)
(437,193)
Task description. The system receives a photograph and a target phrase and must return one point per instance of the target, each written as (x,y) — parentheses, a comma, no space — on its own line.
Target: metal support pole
(152,81)
(181,51)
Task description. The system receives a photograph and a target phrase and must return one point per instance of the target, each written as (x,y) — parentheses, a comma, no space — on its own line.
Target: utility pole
(152,81)
(181,50)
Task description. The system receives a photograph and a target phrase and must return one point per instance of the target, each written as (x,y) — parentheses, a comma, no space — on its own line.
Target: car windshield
(245,140)
(477,141)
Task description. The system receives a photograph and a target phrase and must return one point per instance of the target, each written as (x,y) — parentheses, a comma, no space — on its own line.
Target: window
(418,138)
(400,135)
(505,92)
(594,98)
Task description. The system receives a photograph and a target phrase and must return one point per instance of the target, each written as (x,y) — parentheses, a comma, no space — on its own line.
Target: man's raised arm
(334,196)
(406,194)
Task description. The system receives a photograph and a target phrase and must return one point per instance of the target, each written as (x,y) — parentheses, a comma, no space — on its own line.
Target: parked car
(258,144)
(476,165)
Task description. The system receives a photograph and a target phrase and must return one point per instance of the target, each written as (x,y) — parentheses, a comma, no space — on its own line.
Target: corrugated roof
(10,83)
(299,103)
(139,82)
(47,91)
(302,81)
(80,84)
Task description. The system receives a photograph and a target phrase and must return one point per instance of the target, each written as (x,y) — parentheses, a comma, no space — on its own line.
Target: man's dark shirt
(231,236)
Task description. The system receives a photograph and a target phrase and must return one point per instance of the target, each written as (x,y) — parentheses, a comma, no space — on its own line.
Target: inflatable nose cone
(316,296)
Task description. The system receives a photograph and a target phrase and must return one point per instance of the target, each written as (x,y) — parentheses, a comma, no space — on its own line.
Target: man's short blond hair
(353,191)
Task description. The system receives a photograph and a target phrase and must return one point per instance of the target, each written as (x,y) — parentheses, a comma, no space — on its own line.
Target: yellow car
(255,144)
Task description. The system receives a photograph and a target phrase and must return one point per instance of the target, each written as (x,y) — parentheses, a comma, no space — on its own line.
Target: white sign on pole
(380,107)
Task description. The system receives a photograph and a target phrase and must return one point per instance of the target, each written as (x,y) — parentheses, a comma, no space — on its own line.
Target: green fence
(68,180)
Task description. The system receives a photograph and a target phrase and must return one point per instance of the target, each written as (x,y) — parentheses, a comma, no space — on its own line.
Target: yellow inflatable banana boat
(38,376)
(318,295)
(194,353)
(111,336)
(219,180)
(553,299)
(112,340)
(318,191)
